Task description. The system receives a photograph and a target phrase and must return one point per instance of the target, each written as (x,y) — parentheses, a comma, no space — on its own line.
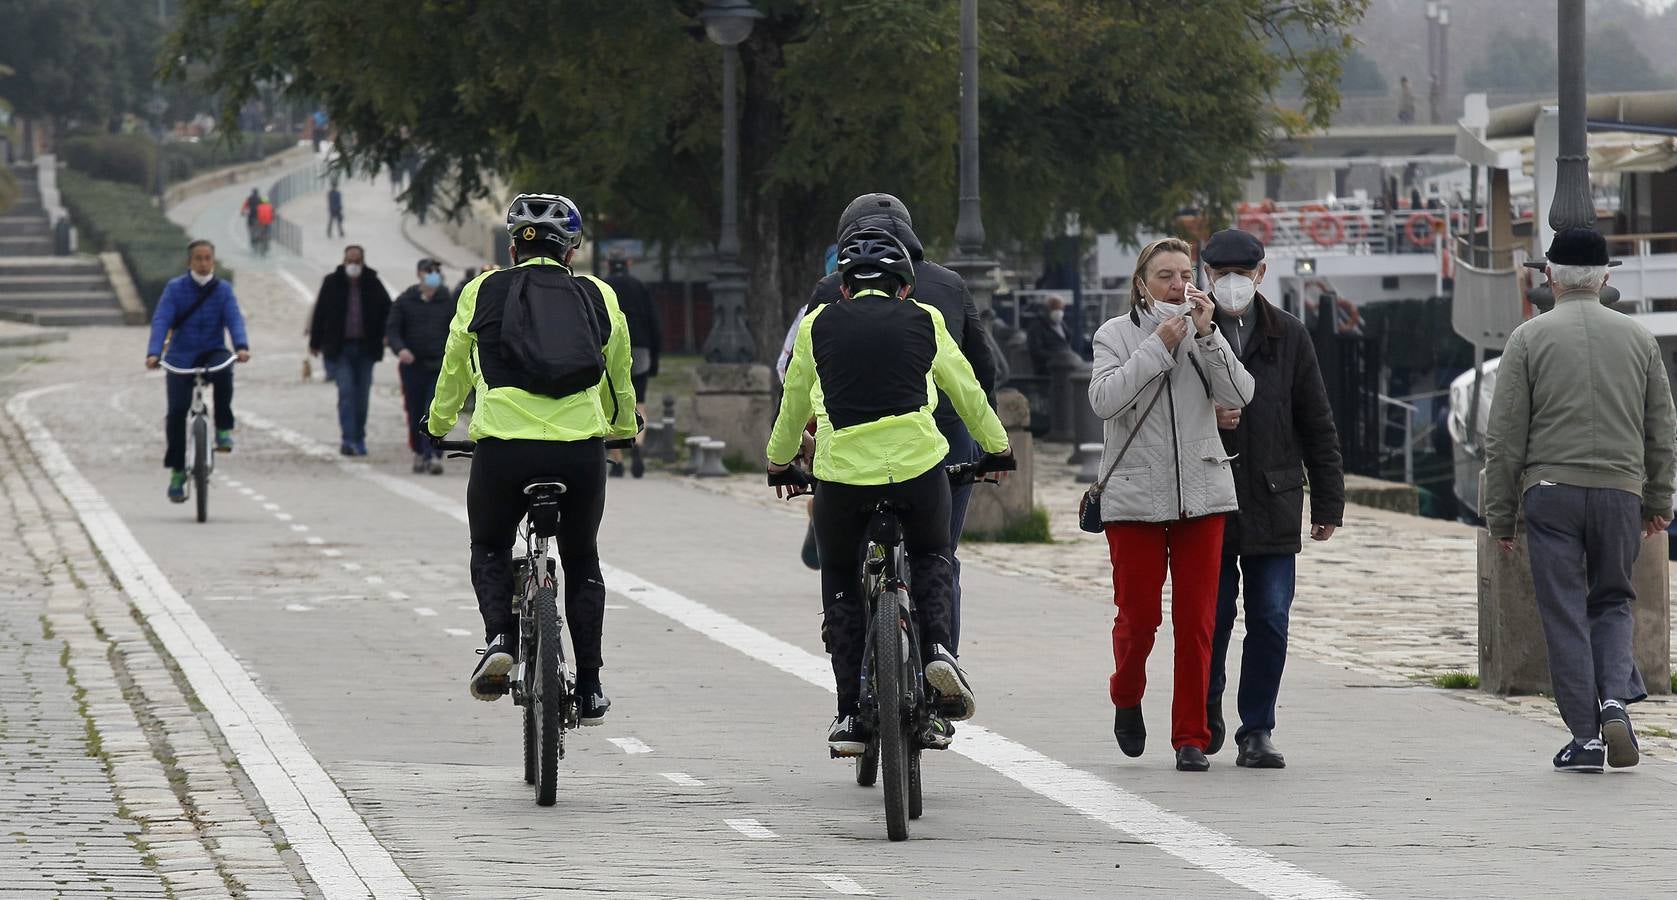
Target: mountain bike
(896,708)
(542,682)
(200,452)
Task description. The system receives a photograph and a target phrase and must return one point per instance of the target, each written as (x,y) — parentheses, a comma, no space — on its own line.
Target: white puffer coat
(1176,467)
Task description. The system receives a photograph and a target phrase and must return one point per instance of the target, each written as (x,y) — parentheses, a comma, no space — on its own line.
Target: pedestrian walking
(1406,102)
(334,210)
(348,330)
(1283,434)
(1167,486)
(417,333)
(1048,337)
(1581,440)
(645,346)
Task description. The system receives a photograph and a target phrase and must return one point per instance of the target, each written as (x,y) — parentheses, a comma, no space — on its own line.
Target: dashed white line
(332,552)
(464,608)
(316,541)
(843,884)
(351,566)
(751,828)
(398,595)
(271,507)
(428,611)
(297,607)
(283,517)
(299,528)
(258,498)
(247,491)
(615,606)
(631,745)
(457,632)
(683,779)
(375,579)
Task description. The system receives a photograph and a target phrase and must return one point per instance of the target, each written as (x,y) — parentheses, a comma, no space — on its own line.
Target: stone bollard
(668,452)
(710,464)
(1064,370)
(1088,458)
(695,453)
(995,508)
(1087,427)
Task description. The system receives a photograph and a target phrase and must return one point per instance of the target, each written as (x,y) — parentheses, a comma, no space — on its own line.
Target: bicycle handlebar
(199,370)
(974,472)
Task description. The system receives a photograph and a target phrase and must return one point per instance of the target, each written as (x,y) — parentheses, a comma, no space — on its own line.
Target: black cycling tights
(495,504)
(841,521)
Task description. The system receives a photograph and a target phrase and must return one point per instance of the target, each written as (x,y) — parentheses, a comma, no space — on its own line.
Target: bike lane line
(336,846)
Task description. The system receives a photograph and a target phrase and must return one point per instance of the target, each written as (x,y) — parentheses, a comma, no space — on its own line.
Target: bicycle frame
(885,569)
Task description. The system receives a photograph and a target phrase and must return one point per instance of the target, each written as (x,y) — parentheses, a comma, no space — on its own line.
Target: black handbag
(1089,508)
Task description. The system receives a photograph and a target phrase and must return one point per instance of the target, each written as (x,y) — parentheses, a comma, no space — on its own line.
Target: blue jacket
(203,331)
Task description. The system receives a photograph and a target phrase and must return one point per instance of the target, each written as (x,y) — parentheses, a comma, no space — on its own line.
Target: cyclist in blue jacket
(194,317)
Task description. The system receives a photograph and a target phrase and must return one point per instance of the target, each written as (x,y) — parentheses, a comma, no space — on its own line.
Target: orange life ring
(1325,229)
(1346,319)
(1422,240)
(1257,223)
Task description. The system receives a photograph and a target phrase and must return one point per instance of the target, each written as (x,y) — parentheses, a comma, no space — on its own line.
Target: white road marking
(258,498)
(303,294)
(338,850)
(271,507)
(317,541)
(843,884)
(683,779)
(231,483)
(464,608)
(1073,788)
(428,611)
(297,607)
(631,745)
(351,566)
(331,551)
(457,632)
(283,517)
(615,606)
(247,491)
(751,828)
(398,595)
(301,528)
(375,579)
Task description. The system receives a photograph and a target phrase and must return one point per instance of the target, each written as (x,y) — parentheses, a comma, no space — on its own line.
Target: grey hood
(886,213)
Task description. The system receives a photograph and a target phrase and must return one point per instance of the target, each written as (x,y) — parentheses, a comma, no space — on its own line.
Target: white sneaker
(944,674)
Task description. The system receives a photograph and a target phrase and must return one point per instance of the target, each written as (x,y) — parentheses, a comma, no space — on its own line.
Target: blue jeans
(419,386)
(1268,601)
(962,448)
(355,386)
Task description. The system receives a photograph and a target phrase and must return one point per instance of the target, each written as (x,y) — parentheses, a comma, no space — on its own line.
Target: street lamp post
(1572,206)
(157,106)
(970,260)
(727,24)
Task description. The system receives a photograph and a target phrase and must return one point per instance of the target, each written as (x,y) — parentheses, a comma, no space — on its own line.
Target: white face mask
(1234,292)
(353,270)
(1056,316)
(202,280)
(1161,308)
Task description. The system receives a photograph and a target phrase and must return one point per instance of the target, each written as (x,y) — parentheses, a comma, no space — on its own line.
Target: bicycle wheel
(867,765)
(915,807)
(526,651)
(893,725)
(201,465)
(547,695)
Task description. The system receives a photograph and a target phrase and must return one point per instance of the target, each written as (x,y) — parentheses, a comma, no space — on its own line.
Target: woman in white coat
(1158,372)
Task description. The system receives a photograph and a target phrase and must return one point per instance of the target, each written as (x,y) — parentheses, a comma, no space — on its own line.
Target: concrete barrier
(220,178)
(996,508)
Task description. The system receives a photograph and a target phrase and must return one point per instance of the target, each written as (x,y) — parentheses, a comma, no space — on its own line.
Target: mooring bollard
(710,466)
(695,453)
(1089,458)
(668,451)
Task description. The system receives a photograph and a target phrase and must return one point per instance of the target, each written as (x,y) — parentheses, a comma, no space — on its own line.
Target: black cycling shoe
(847,737)
(1214,721)
(1191,759)
(637,466)
(1130,730)
(616,467)
(592,705)
(489,676)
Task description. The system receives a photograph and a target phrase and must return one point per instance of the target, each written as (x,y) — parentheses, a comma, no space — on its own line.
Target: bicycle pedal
(841,754)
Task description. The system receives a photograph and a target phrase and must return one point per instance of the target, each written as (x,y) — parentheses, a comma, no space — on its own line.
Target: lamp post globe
(729,22)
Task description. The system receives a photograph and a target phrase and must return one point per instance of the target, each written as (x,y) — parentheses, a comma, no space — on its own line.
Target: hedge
(132,158)
(113,216)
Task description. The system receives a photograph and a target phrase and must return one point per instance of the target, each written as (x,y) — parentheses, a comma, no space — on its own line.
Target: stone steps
(53,283)
(25,245)
(65,317)
(59,300)
(23,225)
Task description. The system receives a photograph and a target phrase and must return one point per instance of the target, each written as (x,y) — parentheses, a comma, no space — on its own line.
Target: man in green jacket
(1582,434)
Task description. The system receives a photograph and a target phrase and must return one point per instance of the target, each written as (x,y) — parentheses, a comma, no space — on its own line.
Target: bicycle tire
(911,674)
(201,466)
(526,651)
(893,729)
(547,695)
(915,804)
(867,765)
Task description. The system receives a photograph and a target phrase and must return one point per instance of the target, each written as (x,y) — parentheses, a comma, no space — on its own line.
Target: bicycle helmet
(545,217)
(870,257)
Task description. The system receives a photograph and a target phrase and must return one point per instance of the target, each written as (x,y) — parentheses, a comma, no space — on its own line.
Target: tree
(1527,64)
(77,61)
(1116,113)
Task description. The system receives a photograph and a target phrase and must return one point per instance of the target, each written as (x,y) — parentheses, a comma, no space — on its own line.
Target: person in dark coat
(645,346)
(1284,434)
(1049,335)
(417,332)
(348,330)
(944,290)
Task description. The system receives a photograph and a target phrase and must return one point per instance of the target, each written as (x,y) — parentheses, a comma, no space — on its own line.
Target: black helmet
(869,257)
(545,217)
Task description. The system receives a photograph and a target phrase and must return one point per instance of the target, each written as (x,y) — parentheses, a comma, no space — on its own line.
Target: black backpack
(550,333)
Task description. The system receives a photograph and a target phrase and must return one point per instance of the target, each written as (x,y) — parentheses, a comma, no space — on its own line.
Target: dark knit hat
(1578,247)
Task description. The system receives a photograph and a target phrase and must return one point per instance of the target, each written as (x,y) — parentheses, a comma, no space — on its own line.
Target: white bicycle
(200,451)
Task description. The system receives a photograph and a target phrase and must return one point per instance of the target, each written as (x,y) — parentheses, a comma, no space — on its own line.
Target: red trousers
(1141,551)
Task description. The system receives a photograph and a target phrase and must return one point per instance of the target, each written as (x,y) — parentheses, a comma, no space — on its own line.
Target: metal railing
(287,188)
(1343,228)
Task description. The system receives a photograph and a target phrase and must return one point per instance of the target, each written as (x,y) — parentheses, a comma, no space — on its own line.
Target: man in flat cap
(1283,435)
(1581,435)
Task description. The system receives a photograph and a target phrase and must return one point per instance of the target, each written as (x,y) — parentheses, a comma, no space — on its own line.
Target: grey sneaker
(945,676)
(1623,750)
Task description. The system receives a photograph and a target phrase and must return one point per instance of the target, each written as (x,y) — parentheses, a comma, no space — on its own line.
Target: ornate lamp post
(727,24)
(970,260)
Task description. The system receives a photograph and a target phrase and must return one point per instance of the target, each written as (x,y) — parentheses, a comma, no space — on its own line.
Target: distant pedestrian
(1049,336)
(1406,102)
(1158,372)
(348,330)
(417,332)
(1581,436)
(645,346)
(249,208)
(334,210)
(1285,433)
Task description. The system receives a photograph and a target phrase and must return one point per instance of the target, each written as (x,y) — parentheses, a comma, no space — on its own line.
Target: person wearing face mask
(195,315)
(1159,370)
(417,332)
(348,329)
(1048,336)
(1282,438)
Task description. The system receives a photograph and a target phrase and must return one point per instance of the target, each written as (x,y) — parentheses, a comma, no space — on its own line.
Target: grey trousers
(1583,543)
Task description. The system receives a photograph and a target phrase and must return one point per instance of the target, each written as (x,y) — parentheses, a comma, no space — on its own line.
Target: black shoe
(346,449)
(1131,731)
(1623,750)
(637,466)
(435,466)
(945,677)
(1256,752)
(616,467)
(489,676)
(846,737)
(1586,756)
(939,733)
(1191,759)
(420,464)
(592,705)
(1214,721)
